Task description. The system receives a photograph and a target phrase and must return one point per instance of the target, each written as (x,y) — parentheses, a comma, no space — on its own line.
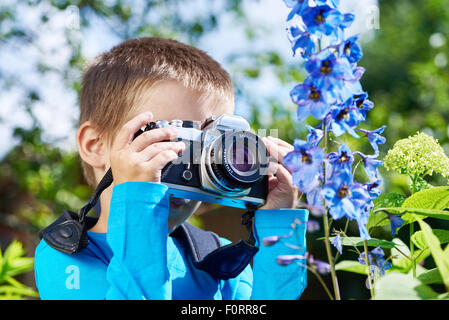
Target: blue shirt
(136,259)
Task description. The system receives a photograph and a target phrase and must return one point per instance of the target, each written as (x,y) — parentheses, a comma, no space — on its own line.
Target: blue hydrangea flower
(337,243)
(315,135)
(310,100)
(376,260)
(342,159)
(375,138)
(298,7)
(351,49)
(305,163)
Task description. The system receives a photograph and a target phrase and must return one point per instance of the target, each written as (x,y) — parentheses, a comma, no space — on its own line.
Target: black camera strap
(207,254)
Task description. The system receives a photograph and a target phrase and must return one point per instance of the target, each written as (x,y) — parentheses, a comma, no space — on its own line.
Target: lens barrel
(236,161)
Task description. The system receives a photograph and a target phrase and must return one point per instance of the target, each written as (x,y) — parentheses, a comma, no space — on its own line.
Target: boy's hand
(143,158)
(281,191)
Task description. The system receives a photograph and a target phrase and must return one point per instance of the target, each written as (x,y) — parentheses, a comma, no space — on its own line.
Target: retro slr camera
(223,162)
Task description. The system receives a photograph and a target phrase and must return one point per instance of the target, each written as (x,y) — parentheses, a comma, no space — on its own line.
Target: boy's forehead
(169,99)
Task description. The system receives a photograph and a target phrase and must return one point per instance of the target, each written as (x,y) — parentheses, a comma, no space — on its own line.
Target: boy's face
(169,100)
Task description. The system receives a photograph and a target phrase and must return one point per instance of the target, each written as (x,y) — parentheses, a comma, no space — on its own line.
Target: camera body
(223,162)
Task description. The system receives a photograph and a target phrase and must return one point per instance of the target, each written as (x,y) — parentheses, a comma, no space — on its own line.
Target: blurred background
(44,45)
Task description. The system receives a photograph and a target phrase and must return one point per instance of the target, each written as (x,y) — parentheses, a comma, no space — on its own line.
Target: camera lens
(237,161)
(242,159)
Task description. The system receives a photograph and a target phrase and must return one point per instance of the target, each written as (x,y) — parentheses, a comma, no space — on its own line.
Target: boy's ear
(91,147)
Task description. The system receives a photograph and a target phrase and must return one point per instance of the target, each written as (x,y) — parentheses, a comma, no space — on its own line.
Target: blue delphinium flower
(315,135)
(323,19)
(342,159)
(285,260)
(370,164)
(301,39)
(333,3)
(337,243)
(375,138)
(345,118)
(344,196)
(395,223)
(333,94)
(327,71)
(320,266)
(305,163)
(312,226)
(373,188)
(363,104)
(298,7)
(351,49)
(376,260)
(310,100)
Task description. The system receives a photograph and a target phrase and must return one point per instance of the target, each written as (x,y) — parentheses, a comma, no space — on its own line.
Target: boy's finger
(284,177)
(278,152)
(280,142)
(152,150)
(160,160)
(149,137)
(126,133)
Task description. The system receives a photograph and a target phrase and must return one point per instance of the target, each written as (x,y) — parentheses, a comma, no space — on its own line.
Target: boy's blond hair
(114,81)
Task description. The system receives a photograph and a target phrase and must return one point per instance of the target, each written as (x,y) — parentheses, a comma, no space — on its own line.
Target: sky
(57,111)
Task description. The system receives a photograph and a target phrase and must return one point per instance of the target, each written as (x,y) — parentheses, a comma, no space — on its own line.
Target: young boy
(131,254)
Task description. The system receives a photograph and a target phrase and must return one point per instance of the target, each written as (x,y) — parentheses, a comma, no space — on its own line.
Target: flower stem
(329,258)
(412,249)
(371,289)
(412,230)
(320,279)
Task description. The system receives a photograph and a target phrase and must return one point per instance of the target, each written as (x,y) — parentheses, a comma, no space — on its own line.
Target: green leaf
(380,218)
(436,198)
(441,257)
(401,257)
(399,286)
(408,213)
(431,276)
(389,200)
(358,242)
(351,266)
(418,237)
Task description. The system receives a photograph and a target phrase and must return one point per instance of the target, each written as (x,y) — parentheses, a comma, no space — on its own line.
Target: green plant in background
(417,157)
(13,263)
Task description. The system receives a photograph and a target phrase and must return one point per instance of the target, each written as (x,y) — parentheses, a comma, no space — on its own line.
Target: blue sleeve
(137,234)
(271,280)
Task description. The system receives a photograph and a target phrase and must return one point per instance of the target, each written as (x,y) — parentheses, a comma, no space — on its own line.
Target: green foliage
(38,181)
(440,256)
(358,242)
(399,286)
(380,218)
(13,263)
